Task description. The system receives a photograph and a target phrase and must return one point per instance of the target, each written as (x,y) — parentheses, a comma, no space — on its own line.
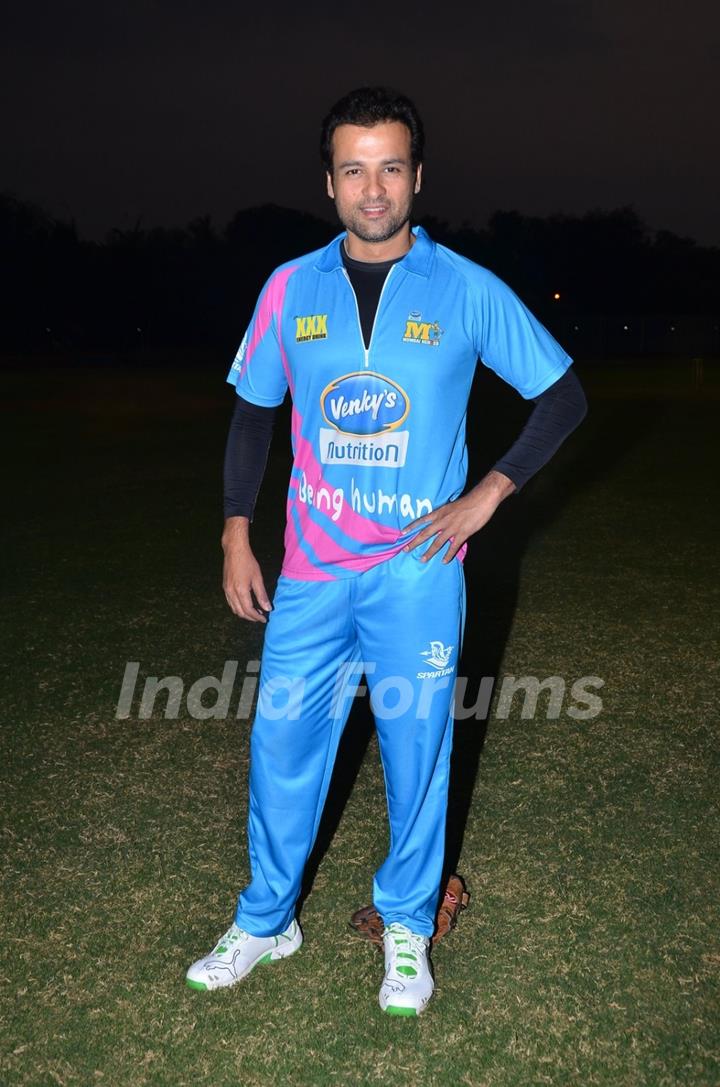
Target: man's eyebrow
(359,162)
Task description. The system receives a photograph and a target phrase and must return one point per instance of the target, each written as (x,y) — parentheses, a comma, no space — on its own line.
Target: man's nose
(374,184)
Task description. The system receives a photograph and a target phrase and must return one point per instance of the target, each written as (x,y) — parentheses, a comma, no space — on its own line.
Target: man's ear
(330,190)
(418,179)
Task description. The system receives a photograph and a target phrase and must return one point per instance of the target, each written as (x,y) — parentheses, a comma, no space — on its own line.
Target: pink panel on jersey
(325,547)
(296,561)
(353,524)
(270,306)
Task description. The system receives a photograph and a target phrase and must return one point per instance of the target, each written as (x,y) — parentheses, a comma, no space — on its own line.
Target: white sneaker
(408,983)
(237,952)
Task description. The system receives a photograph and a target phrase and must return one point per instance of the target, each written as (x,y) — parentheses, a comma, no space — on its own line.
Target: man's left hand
(457,521)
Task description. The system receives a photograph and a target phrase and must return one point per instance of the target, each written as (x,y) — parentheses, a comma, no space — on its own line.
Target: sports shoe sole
(392,1009)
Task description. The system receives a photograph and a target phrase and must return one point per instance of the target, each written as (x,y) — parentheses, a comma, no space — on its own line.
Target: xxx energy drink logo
(364,411)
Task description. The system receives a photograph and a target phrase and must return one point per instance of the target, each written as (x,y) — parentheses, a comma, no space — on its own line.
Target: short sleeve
(259,371)
(511,341)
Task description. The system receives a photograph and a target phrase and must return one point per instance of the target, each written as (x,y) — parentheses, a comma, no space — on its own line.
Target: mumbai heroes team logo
(419,331)
(311,328)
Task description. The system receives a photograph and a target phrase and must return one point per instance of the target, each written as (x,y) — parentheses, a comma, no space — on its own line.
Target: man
(376,336)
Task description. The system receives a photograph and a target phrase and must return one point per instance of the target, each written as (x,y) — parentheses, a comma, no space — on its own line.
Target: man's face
(373,181)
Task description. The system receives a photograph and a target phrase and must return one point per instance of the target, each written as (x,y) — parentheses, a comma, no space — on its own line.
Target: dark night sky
(112,111)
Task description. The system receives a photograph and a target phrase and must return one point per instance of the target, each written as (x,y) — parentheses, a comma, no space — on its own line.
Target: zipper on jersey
(366,350)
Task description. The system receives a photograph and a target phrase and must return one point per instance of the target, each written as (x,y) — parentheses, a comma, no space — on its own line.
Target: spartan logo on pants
(437,655)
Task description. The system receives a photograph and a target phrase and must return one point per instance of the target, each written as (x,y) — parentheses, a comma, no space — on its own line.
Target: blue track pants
(401,624)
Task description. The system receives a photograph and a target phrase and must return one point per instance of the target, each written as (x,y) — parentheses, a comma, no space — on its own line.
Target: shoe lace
(232,936)
(409,948)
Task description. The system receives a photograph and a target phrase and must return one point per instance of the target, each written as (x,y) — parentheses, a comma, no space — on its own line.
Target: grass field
(590,954)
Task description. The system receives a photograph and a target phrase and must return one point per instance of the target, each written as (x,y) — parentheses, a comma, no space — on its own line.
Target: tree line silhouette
(194,287)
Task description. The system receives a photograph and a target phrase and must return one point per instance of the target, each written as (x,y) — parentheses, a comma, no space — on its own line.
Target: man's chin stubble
(389,231)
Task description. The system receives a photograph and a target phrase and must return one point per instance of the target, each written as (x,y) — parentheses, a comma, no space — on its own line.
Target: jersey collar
(417,260)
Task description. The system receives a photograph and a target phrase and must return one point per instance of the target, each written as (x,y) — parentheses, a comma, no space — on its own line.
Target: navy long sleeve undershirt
(557,412)
(246,455)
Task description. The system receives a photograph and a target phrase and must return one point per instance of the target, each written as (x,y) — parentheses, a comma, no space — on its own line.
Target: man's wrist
(497,483)
(236,533)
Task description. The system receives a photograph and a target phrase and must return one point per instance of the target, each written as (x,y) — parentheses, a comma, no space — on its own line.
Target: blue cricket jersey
(378,434)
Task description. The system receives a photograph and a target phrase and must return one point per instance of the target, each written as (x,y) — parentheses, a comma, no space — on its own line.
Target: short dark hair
(369,106)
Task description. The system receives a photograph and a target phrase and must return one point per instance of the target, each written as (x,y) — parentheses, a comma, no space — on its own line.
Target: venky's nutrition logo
(438,655)
(313,327)
(419,331)
(364,403)
(364,410)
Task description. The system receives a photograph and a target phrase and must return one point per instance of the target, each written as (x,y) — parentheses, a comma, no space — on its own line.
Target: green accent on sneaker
(407,971)
(393,1010)
(266,958)
(196,984)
